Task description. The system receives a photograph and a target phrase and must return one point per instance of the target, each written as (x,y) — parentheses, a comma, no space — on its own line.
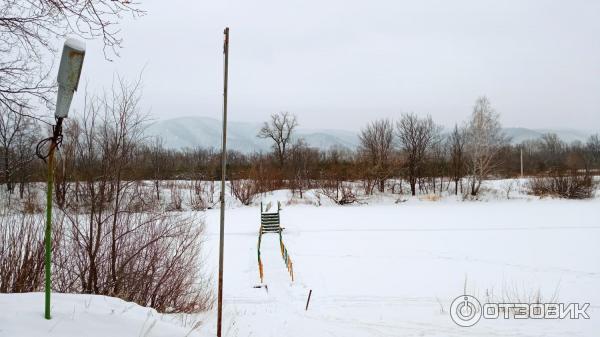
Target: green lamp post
(69,72)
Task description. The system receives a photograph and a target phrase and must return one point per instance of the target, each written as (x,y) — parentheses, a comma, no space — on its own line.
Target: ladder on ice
(271,223)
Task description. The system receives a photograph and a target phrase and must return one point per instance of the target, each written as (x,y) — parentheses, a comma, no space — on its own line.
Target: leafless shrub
(109,247)
(564,185)
(516,294)
(513,293)
(244,190)
(21,252)
(318,199)
(197,191)
(348,195)
(110,236)
(395,186)
(210,192)
(141,198)
(303,160)
(148,258)
(31,201)
(508,187)
(176,203)
(368,184)
(341,193)
(265,176)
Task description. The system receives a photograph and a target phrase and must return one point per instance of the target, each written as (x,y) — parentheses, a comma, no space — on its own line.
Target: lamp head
(68,75)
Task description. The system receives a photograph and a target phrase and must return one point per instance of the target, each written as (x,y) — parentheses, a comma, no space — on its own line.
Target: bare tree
(436,165)
(553,151)
(244,190)
(485,139)
(592,148)
(17,139)
(303,160)
(156,148)
(416,136)
(456,145)
(376,145)
(280,130)
(28,29)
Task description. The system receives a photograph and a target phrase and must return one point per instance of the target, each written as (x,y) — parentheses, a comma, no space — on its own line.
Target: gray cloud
(339,64)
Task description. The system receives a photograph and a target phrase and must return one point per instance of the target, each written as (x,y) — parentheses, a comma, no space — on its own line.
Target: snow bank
(84,315)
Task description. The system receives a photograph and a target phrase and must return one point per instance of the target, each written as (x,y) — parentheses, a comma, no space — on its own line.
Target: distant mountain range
(190,132)
(519,135)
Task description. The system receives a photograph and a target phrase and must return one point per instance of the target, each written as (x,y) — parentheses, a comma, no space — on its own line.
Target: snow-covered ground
(376,269)
(393,269)
(85,315)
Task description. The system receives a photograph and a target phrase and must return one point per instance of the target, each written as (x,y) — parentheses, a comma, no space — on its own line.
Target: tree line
(412,154)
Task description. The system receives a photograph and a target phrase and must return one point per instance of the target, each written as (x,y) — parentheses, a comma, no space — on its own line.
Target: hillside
(190,132)
(519,135)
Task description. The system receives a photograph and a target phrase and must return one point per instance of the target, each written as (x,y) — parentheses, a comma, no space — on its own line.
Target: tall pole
(222,196)
(48,235)
(69,72)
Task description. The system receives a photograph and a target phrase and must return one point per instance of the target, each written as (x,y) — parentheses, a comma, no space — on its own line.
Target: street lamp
(68,79)
(68,75)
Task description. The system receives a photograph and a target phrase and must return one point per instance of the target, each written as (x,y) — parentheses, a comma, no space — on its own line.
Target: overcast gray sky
(339,64)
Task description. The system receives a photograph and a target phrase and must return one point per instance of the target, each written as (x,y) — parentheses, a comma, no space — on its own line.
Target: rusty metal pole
(223,171)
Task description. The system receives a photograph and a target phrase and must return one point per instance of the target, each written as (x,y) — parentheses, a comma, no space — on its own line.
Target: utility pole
(223,171)
(68,80)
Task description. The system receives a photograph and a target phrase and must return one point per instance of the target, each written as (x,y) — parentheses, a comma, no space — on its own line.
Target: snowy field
(375,269)
(392,270)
